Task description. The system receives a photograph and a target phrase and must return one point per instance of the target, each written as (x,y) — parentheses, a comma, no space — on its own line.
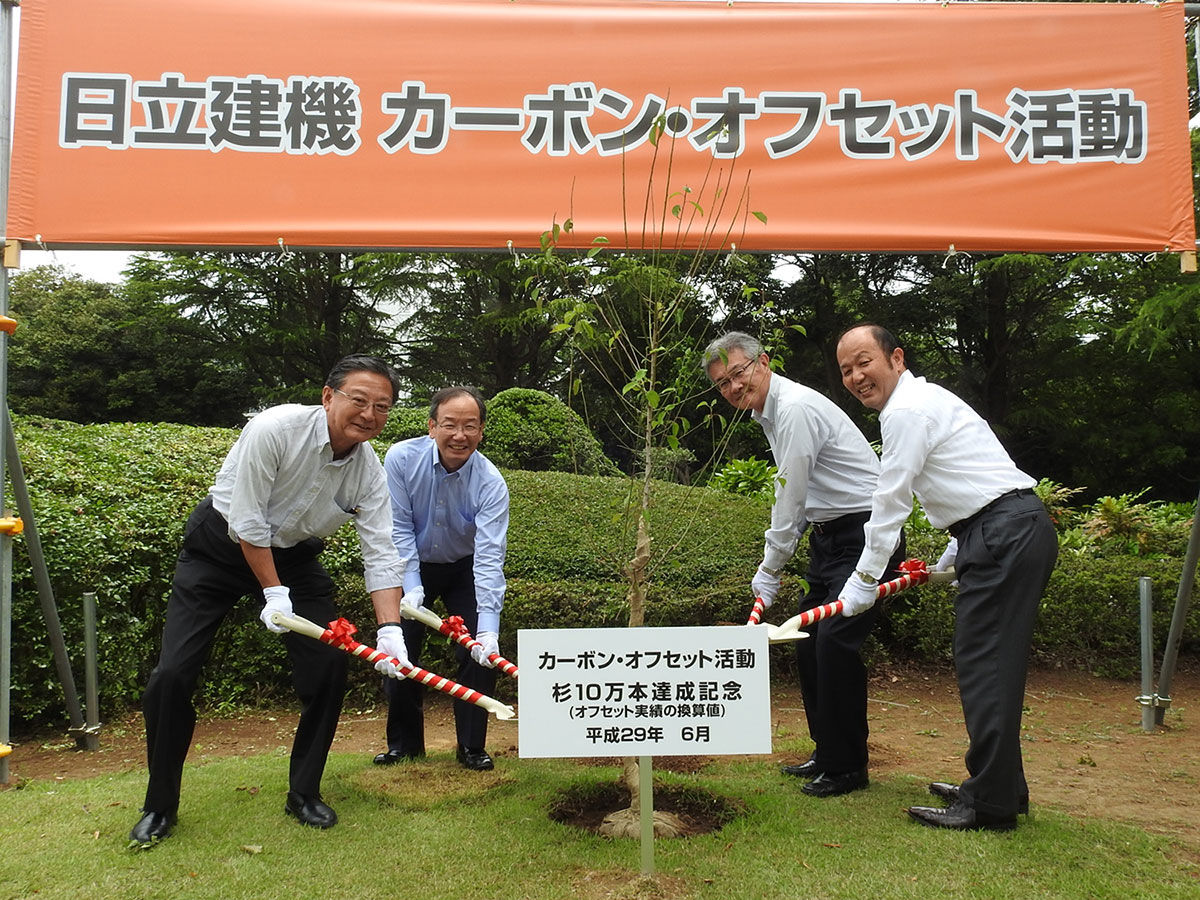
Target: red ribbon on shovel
(340,633)
(455,629)
(913,572)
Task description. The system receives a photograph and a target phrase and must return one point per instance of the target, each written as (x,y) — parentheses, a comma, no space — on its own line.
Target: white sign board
(644,691)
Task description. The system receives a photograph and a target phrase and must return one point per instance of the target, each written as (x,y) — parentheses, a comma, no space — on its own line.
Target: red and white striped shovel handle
(776,634)
(456,631)
(914,573)
(756,614)
(817,613)
(339,635)
(909,579)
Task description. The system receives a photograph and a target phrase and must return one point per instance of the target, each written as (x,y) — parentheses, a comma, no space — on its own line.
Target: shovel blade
(781,634)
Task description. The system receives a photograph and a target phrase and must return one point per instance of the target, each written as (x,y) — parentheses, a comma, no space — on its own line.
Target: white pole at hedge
(91,677)
(1147,607)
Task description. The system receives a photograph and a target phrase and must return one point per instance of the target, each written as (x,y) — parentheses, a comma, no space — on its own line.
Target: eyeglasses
(380,409)
(470,429)
(733,375)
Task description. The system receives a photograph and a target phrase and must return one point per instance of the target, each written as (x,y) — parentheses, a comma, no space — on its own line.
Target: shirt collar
(906,378)
(319,435)
(436,462)
(771,403)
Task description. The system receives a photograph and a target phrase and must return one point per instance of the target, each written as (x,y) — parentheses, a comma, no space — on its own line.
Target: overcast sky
(98,265)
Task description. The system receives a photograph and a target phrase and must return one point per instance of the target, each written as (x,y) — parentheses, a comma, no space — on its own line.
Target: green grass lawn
(437,832)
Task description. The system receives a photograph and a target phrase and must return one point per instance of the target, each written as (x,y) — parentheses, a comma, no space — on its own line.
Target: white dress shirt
(442,517)
(826,467)
(938,448)
(280,485)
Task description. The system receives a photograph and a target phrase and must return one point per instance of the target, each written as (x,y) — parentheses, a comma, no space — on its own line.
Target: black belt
(962,525)
(858,518)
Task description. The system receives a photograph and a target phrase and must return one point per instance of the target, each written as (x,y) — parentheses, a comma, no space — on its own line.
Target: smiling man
(450,522)
(295,475)
(826,474)
(1003,549)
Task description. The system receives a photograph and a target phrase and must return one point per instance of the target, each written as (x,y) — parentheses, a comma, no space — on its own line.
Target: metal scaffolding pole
(10,462)
(37,562)
(7,30)
(1182,600)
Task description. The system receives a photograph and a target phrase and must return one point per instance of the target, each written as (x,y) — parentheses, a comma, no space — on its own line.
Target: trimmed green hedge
(532,430)
(526,429)
(111,500)
(1089,619)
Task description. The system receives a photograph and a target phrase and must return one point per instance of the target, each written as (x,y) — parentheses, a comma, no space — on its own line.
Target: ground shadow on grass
(700,811)
(430,782)
(426,783)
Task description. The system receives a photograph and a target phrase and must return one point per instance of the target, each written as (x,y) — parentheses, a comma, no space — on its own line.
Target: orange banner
(478,123)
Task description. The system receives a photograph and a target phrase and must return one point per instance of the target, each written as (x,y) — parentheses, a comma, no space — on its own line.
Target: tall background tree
(477,318)
(289,316)
(1085,364)
(92,352)
(1082,363)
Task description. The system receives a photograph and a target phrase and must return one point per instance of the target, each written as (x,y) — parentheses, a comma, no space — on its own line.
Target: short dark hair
(360,362)
(449,393)
(884,338)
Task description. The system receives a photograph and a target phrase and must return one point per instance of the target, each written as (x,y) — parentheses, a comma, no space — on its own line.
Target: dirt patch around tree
(1084,749)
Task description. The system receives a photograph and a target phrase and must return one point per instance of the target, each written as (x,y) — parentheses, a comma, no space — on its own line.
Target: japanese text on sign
(308,115)
(644,691)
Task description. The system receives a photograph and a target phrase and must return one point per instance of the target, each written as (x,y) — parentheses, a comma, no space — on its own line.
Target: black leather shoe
(944,790)
(804,770)
(310,811)
(832,784)
(475,760)
(151,828)
(960,817)
(949,793)
(391,757)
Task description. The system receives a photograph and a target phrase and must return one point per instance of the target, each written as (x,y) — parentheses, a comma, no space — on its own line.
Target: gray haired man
(826,474)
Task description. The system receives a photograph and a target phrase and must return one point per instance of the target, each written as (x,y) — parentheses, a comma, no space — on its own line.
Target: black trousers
(454,583)
(833,678)
(1005,557)
(210,577)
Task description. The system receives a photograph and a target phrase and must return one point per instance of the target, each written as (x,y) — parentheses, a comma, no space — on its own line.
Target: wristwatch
(864,577)
(774,573)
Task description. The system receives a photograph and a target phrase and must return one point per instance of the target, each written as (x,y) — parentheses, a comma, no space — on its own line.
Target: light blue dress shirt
(442,517)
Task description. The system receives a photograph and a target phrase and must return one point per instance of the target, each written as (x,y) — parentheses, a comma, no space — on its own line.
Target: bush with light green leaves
(752,477)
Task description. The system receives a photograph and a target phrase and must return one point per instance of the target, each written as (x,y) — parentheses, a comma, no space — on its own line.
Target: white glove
(946,560)
(414,597)
(488,644)
(390,640)
(279,600)
(765,586)
(857,596)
